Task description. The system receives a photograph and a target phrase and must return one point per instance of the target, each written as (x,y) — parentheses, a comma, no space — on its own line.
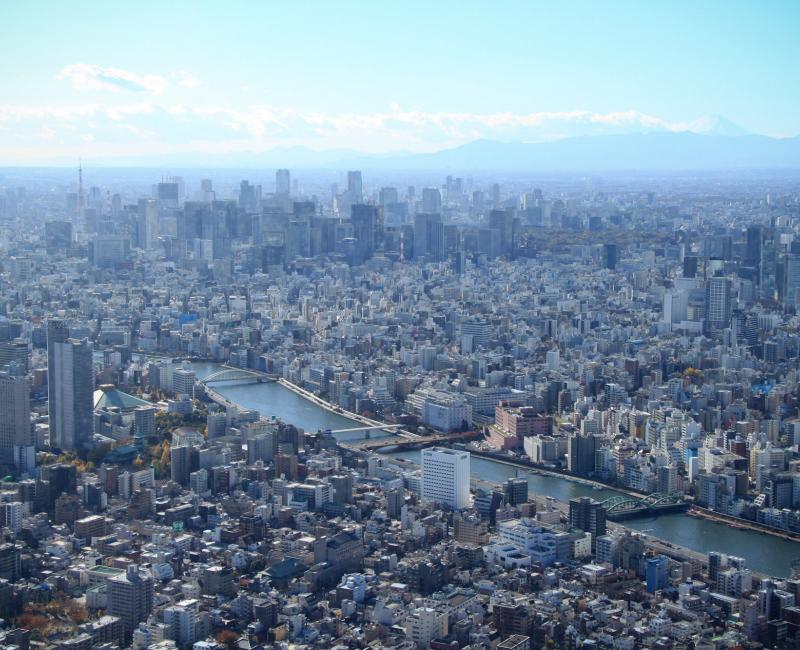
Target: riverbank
(740,522)
(338,410)
(533,467)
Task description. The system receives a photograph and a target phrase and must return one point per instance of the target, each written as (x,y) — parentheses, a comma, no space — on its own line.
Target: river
(764,553)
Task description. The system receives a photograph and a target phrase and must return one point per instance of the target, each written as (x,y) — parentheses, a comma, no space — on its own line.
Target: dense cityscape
(399,325)
(291,413)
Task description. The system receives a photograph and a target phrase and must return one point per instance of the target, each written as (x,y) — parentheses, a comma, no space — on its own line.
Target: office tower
(428,236)
(588,515)
(168,194)
(55,480)
(15,352)
(130,597)
(183,382)
(108,250)
(70,383)
(57,236)
(147,224)
(516,491)
(445,477)
(690,266)
(206,190)
(791,279)
(354,189)
(283,182)
(249,196)
(364,219)
(610,256)
(431,200)
(719,303)
(388,196)
(16,435)
(502,221)
(657,573)
(754,245)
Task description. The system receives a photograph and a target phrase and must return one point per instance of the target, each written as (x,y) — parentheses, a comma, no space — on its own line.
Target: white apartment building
(445,477)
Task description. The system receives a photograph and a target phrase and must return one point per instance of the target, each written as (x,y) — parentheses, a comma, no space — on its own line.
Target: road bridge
(234,373)
(625,506)
(408,442)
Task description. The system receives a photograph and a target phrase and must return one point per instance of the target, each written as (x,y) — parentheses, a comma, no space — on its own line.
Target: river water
(764,553)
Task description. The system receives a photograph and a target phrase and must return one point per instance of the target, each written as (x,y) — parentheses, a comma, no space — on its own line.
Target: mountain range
(709,144)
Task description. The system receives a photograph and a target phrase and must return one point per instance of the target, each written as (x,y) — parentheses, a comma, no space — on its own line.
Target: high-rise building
(16,434)
(516,491)
(580,453)
(428,236)
(657,573)
(183,382)
(70,383)
(791,279)
(719,303)
(130,597)
(364,219)
(57,236)
(388,196)
(186,623)
(588,515)
(283,182)
(13,515)
(610,256)
(147,224)
(445,477)
(354,188)
(15,352)
(431,200)
(144,421)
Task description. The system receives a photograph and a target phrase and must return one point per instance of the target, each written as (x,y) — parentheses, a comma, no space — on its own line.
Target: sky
(105,79)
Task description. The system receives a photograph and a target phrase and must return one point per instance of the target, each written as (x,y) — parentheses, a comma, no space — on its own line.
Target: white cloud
(86,76)
(187,80)
(158,126)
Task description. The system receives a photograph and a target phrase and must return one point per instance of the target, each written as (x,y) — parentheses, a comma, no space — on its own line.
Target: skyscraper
(428,236)
(70,383)
(354,188)
(283,182)
(16,435)
(719,303)
(445,477)
(431,200)
(364,218)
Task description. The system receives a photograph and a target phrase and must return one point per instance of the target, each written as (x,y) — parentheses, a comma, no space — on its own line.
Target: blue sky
(107,78)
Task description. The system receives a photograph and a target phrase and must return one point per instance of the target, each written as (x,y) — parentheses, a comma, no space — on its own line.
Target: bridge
(233,373)
(625,507)
(408,442)
(377,427)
